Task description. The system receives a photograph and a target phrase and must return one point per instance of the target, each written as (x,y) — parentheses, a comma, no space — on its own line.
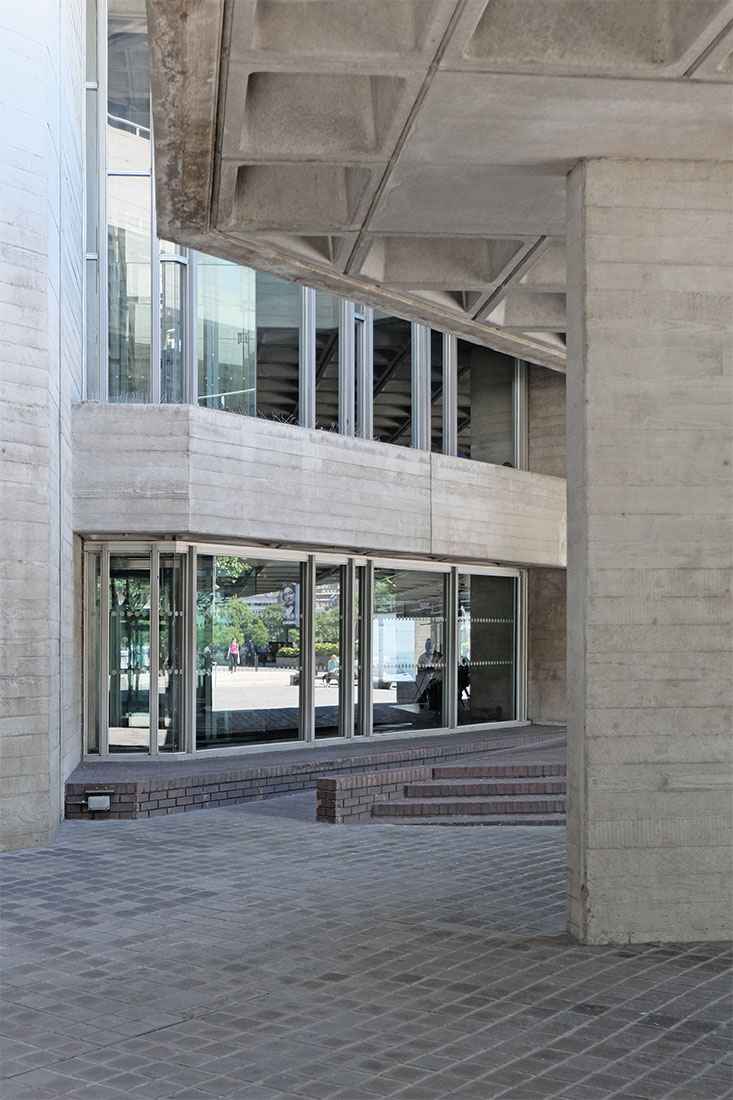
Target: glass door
(487,649)
(129,653)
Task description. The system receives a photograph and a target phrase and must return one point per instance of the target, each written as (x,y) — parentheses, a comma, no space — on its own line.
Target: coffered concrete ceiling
(412,154)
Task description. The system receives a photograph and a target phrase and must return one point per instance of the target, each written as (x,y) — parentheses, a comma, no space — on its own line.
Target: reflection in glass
(486,649)
(328,650)
(327,361)
(407,660)
(247,650)
(129,288)
(227,355)
(129,654)
(436,391)
(170,659)
(128,87)
(392,379)
(278,344)
(172,275)
(92,648)
(485,411)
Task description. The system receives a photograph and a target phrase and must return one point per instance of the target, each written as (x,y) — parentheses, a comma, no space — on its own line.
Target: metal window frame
(450,394)
(307,359)
(520,401)
(306,700)
(346,367)
(364,321)
(346,655)
(365,727)
(103,250)
(420,385)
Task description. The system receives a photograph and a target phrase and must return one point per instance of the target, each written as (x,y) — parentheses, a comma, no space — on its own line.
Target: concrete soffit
(412,154)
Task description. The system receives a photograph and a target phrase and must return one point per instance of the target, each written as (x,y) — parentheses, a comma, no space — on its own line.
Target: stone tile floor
(252,953)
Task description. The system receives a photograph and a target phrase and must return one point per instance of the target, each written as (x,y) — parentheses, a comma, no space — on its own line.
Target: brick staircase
(486,794)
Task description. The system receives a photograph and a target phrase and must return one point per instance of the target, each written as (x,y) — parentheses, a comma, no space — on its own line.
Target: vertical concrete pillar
(41,257)
(649,533)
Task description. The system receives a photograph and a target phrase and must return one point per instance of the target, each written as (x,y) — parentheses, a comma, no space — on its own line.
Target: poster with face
(290,600)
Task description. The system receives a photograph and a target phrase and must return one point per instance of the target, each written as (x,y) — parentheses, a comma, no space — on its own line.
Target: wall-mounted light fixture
(98,801)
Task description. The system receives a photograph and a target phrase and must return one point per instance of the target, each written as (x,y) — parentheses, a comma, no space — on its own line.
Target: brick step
(475,819)
(433,807)
(496,771)
(464,788)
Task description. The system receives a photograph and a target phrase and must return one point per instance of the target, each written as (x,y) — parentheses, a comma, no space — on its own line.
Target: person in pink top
(233,654)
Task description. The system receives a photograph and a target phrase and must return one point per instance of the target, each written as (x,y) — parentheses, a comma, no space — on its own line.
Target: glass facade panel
(247,650)
(392,379)
(407,658)
(129,653)
(172,379)
(129,244)
(171,635)
(128,87)
(328,650)
(487,616)
(327,361)
(278,347)
(485,405)
(436,392)
(92,649)
(227,336)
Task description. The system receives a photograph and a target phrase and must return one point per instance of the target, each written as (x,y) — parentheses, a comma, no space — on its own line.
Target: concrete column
(546,645)
(649,532)
(41,308)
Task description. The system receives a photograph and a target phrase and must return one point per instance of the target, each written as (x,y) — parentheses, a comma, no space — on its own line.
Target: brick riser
(496,794)
(474,819)
(471,788)
(497,771)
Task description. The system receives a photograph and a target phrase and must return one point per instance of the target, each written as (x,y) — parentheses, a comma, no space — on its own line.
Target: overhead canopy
(412,154)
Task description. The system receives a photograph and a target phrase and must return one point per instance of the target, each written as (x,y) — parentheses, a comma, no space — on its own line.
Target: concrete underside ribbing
(146,788)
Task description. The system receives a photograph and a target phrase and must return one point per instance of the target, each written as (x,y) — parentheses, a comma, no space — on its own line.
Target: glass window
(392,380)
(436,391)
(129,288)
(227,350)
(328,662)
(172,379)
(248,620)
(92,649)
(485,405)
(407,659)
(129,654)
(486,648)
(278,344)
(128,87)
(170,659)
(327,361)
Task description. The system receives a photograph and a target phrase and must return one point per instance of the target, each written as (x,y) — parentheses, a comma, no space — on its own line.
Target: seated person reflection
(332,669)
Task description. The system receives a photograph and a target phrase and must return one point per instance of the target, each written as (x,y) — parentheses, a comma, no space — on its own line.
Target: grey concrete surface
(252,953)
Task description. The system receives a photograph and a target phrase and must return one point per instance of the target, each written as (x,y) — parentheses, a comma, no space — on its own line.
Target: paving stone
(266,957)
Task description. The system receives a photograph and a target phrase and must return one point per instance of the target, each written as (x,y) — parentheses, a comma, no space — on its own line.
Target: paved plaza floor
(252,953)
